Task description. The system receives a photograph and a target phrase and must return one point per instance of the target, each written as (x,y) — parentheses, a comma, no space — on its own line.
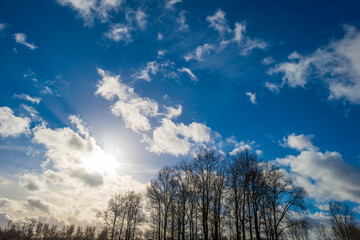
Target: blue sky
(101,94)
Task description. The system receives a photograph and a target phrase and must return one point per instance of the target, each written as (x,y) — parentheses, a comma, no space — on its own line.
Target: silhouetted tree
(344,224)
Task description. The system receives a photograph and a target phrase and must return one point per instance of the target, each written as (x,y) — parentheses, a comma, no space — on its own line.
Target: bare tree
(112,213)
(282,197)
(344,224)
(161,194)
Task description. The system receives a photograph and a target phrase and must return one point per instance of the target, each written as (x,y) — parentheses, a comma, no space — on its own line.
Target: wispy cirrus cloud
(228,38)
(2,26)
(200,52)
(26,97)
(181,20)
(170,4)
(189,72)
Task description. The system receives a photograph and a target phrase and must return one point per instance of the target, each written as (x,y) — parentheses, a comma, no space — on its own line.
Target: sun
(100,161)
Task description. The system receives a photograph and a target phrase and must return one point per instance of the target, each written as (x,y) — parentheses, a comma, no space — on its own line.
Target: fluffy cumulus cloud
(336,64)
(241,146)
(133,109)
(21,39)
(11,125)
(91,9)
(36,203)
(78,175)
(71,155)
(173,112)
(32,182)
(176,138)
(137,111)
(324,175)
(299,142)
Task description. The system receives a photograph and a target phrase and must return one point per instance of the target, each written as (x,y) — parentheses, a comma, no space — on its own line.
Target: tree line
(211,196)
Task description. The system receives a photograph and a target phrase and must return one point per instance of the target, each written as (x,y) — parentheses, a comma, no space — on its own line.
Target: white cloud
(251,44)
(241,146)
(37,203)
(151,67)
(177,139)
(28,98)
(32,182)
(72,156)
(299,142)
(161,53)
(80,125)
(2,26)
(139,17)
(219,23)
(135,112)
(272,87)
(239,32)
(10,125)
(31,111)
(181,20)
(239,40)
(200,52)
(110,87)
(169,4)
(324,176)
(160,36)
(252,97)
(21,39)
(189,72)
(166,68)
(119,32)
(91,9)
(337,64)
(133,109)
(173,112)
(268,60)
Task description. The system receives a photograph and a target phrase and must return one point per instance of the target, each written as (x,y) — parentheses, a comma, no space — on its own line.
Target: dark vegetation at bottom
(212,196)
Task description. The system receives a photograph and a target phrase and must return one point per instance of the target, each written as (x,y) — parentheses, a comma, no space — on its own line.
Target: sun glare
(101,162)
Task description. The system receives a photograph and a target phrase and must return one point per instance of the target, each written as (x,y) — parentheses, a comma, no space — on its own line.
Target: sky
(97,95)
